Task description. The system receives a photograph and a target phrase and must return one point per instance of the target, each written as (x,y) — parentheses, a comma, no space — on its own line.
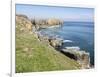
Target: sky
(63,13)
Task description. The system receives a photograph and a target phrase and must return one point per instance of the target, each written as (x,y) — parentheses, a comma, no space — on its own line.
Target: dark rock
(55,42)
(75,53)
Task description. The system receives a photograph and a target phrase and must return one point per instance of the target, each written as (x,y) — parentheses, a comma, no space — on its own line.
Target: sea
(75,34)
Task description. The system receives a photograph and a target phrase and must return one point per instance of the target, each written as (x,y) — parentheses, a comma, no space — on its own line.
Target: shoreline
(67,50)
(82,58)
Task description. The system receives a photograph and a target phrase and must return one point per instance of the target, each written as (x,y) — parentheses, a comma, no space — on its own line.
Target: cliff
(23,23)
(80,56)
(33,54)
(54,21)
(45,23)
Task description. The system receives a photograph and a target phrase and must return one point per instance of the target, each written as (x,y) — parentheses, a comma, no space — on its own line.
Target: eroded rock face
(56,42)
(81,57)
(23,22)
(53,21)
(45,23)
(85,60)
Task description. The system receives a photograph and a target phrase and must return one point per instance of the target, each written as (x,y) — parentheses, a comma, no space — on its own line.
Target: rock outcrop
(80,56)
(56,42)
(23,23)
(45,23)
(54,21)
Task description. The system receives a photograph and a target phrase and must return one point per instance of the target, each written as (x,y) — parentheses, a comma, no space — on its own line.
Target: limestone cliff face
(23,23)
(54,21)
(45,23)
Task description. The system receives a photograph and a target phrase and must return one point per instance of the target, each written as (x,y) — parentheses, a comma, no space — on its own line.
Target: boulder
(55,42)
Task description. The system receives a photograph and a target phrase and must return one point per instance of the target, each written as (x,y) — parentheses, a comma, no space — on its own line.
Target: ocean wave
(55,26)
(67,41)
(73,47)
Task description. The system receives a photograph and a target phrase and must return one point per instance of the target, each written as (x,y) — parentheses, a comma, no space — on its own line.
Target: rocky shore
(82,57)
(46,23)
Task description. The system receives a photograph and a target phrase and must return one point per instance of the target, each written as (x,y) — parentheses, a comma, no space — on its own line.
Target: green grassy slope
(32,55)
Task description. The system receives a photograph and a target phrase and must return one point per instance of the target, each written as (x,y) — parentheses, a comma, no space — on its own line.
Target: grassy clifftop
(33,55)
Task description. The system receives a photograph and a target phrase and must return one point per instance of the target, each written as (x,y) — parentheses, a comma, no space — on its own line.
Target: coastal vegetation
(36,52)
(33,55)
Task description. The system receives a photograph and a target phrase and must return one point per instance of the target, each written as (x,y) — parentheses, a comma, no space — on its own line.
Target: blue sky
(64,13)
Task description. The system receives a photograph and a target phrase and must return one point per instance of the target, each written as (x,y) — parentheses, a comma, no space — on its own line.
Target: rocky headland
(34,25)
(46,23)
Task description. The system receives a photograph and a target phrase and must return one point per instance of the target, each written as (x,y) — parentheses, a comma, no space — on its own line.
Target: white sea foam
(54,26)
(73,47)
(67,41)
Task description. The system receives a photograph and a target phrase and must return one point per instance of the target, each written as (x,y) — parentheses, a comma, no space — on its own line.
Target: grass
(33,55)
